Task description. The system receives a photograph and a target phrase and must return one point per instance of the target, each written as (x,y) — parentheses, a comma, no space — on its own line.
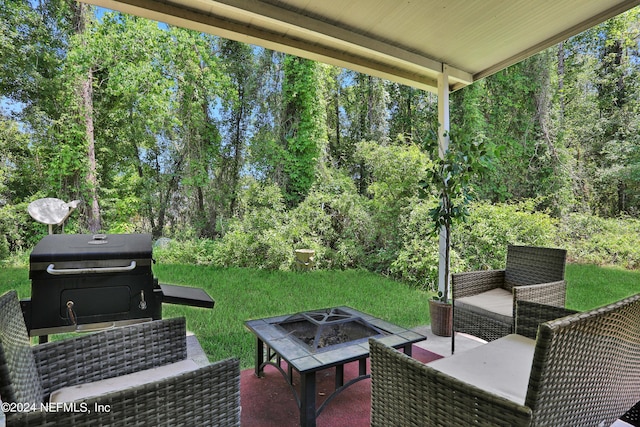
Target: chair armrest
(475,282)
(206,396)
(552,293)
(110,353)
(407,392)
(529,315)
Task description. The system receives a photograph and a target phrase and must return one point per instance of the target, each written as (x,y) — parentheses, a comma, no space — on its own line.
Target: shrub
(482,240)
(20,231)
(417,260)
(192,251)
(332,220)
(335,222)
(395,174)
(594,240)
(258,238)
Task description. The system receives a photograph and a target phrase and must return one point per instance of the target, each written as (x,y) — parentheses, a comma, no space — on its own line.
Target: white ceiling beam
(321,32)
(339,35)
(279,29)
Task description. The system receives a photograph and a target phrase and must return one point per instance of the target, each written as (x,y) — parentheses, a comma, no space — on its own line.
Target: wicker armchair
(582,370)
(484,301)
(35,380)
(529,316)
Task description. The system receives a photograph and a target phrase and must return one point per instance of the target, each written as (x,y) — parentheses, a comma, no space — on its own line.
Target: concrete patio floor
(442,345)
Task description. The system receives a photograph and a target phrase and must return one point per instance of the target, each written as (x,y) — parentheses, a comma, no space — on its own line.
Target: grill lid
(90,250)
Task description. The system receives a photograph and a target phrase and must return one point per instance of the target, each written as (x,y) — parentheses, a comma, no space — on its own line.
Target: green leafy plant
(451,178)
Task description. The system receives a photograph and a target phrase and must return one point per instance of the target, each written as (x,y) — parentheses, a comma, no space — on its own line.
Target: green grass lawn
(590,286)
(243,294)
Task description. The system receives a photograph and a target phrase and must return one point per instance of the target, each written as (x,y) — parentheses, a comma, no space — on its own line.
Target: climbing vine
(304,130)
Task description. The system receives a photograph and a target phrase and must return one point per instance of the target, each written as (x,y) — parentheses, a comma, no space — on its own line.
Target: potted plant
(441,313)
(450,179)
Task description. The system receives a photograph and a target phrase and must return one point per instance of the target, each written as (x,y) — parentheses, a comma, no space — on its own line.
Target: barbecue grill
(81,282)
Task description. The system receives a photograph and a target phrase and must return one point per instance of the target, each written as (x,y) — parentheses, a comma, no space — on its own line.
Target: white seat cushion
(98,388)
(499,301)
(501,367)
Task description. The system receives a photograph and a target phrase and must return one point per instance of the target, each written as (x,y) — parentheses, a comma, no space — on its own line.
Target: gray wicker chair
(582,370)
(484,301)
(208,395)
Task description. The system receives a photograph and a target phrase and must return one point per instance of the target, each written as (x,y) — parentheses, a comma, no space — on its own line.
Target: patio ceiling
(407,41)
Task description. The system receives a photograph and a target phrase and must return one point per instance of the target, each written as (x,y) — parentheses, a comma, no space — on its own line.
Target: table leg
(259,357)
(362,367)
(408,349)
(339,376)
(308,399)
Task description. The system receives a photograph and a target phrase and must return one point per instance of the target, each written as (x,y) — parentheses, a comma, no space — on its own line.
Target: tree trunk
(622,205)
(237,152)
(561,97)
(339,161)
(94,222)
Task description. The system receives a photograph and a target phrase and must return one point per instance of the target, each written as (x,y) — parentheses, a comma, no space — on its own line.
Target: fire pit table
(319,339)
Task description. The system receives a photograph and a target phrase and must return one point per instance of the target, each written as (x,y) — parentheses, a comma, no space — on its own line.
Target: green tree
(413,113)
(366,119)
(240,64)
(134,115)
(264,146)
(516,111)
(303,132)
(396,171)
(600,130)
(196,69)
(154,124)
(33,44)
(339,154)
(85,80)
(618,82)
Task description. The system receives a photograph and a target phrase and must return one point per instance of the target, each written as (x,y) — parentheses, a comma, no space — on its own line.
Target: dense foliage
(239,154)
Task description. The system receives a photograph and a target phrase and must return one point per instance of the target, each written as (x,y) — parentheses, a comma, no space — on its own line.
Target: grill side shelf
(184,295)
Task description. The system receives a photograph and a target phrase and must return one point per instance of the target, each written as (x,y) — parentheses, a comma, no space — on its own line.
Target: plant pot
(441,318)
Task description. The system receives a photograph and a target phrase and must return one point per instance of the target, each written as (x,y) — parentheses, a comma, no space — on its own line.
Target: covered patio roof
(408,41)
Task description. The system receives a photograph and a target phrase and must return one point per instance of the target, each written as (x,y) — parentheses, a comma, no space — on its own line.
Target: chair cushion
(98,388)
(501,367)
(19,378)
(496,303)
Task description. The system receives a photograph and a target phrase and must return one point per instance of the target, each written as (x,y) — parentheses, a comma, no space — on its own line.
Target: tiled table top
(304,359)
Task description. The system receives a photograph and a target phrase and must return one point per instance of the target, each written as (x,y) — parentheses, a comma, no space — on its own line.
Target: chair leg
(453,329)
(453,342)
